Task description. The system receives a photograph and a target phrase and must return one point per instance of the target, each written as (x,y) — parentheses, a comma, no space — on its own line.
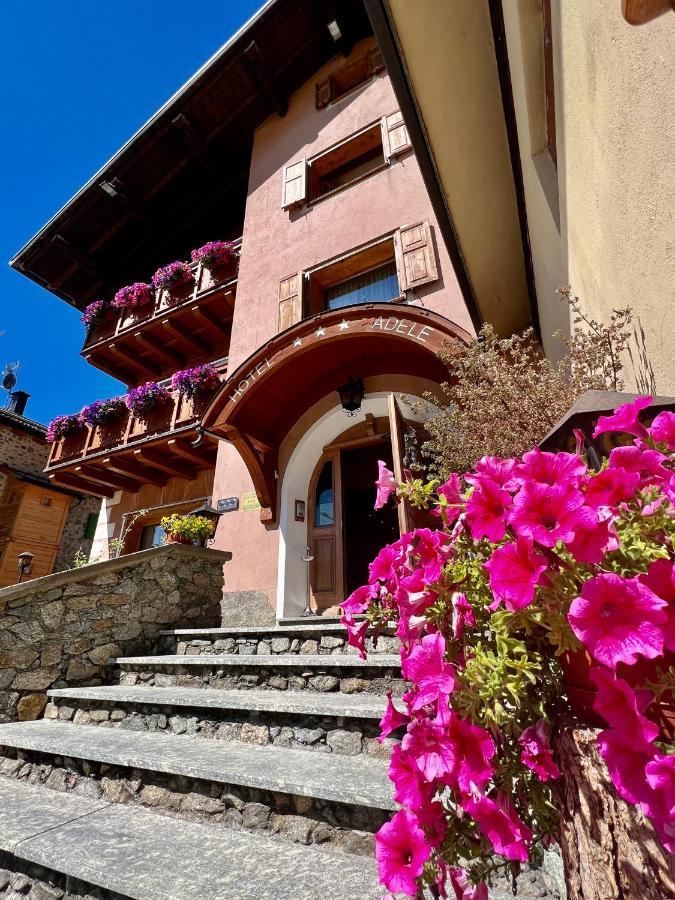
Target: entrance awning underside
(267,394)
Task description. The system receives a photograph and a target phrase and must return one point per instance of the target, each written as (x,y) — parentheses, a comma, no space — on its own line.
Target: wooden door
(324,532)
(397,431)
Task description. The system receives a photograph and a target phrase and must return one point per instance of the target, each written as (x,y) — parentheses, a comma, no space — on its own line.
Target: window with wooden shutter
(290,301)
(348,77)
(294,191)
(415,257)
(395,138)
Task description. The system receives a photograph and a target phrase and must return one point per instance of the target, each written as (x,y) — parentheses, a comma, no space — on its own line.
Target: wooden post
(610,850)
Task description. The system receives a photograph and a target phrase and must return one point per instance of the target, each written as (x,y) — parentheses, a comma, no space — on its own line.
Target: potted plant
(534,558)
(214,254)
(174,277)
(187,529)
(106,417)
(63,426)
(195,381)
(147,399)
(95,313)
(133,296)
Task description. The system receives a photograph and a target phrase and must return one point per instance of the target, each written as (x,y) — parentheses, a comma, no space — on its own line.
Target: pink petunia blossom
(646,462)
(431,748)
(498,470)
(429,672)
(548,514)
(464,890)
(463,615)
(618,619)
(499,822)
(660,578)
(610,487)
(537,753)
(413,594)
(626,764)
(590,544)
(660,774)
(356,635)
(487,508)
(473,749)
(386,484)
(392,719)
(410,790)
(515,571)
(431,549)
(662,429)
(358,601)
(621,706)
(401,850)
(543,467)
(452,503)
(431,816)
(625,419)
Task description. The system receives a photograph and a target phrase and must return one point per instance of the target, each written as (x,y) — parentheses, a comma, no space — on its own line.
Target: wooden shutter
(375,61)
(294,190)
(324,93)
(395,138)
(415,257)
(290,301)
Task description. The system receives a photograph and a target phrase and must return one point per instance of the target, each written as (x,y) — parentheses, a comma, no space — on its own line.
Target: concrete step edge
(283,660)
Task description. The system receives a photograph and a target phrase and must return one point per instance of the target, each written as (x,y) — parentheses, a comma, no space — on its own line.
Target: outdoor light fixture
(108,188)
(25,564)
(334,30)
(351,395)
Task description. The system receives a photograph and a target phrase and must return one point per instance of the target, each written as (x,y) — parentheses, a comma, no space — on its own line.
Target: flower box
(197,381)
(134,296)
(176,278)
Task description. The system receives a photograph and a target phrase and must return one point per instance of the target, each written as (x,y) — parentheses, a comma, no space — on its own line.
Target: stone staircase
(235,763)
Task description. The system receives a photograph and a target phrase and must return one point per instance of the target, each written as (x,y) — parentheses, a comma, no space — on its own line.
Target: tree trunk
(610,850)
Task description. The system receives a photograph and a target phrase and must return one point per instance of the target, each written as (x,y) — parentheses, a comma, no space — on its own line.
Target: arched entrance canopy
(266,394)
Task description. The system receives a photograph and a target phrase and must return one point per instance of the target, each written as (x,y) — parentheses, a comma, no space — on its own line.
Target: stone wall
(20,450)
(61,630)
(73,538)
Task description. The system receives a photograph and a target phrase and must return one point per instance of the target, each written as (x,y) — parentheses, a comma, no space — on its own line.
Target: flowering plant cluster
(133,296)
(102,411)
(61,427)
(196,380)
(94,312)
(214,253)
(172,275)
(192,528)
(146,396)
(535,559)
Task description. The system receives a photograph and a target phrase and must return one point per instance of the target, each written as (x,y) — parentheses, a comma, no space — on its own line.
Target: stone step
(335,723)
(306,797)
(130,852)
(288,671)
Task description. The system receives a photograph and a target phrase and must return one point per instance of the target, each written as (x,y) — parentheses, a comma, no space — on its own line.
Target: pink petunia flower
(431,817)
(626,764)
(431,748)
(498,470)
(401,850)
(515,571)
(473,749)
(392,719)
(646,462)
(662,429)
(610,487)
(625,419)
(463,888)
(356,635)
(431,675)
(621,706)
(548,514)
(590,544)
(463,615)
(543,467)
(386,484)
(452,502)
(499,822)
(431,549)
(487,508)
(410,790)
(660,578)
(537,753)
(660,774)
(618,619)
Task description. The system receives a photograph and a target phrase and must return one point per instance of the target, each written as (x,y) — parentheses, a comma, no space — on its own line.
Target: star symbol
(344,324)
(320,332)
(297,342)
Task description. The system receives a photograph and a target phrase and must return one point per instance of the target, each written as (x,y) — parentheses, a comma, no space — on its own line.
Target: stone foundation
(19,879)
(265,645)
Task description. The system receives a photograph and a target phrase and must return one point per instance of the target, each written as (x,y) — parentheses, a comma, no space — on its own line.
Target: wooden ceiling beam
(140,366)
(66,479)
(115,188)
(200,456)
(186,337)
(197,145)
(81,259)
(218,330)
(175,467)
(262,74)
(166,355)
(107,477)
(136,470)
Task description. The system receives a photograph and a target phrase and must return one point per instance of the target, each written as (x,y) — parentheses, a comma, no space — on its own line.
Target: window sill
(343,187)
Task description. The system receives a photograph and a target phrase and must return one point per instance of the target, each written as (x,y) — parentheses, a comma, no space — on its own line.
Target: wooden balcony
(132,451)
(177,330)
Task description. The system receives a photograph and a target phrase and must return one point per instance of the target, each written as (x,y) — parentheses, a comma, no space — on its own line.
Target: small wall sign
(250,501)
(227,504)
(299,510)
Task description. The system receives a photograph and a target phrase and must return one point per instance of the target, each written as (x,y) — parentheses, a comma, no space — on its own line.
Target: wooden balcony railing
(178,329)
(135,450)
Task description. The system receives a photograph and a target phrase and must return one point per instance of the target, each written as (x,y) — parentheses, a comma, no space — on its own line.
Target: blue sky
(78,78)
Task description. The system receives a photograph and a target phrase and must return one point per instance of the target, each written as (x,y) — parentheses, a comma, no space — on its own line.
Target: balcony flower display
(536,561)
(100,412)
(62,426)
(133,296)
(145,397)
(187,529)
(172,276)
(198,380)
(95,312)
(215,253)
